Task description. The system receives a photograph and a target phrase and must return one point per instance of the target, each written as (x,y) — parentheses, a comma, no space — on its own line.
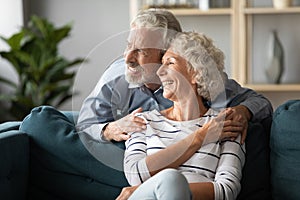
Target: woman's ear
(194,80)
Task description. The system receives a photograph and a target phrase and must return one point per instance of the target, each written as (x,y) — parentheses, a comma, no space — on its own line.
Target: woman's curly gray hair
(204,58)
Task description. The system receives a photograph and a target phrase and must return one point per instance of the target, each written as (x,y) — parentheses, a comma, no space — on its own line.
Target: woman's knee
(173,178)
(171,184)
(171,175)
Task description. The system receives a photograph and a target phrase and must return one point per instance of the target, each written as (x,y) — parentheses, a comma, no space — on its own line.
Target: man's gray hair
(158,19)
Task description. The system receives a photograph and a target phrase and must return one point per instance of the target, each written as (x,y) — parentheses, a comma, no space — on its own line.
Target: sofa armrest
(8,126)
(14,156)
(60,163)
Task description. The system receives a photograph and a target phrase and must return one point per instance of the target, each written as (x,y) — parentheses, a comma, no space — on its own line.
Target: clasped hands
(232,121)
(229,124)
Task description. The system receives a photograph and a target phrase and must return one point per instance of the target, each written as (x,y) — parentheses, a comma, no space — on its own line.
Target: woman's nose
(161,70)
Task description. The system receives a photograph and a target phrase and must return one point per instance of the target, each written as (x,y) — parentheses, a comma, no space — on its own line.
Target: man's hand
(126,192)
(118,130)
(241,114)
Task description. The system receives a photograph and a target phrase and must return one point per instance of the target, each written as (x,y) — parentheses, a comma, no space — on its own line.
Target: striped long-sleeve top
(220,163)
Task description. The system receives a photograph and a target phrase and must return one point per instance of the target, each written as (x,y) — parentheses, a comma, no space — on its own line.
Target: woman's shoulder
(150,115)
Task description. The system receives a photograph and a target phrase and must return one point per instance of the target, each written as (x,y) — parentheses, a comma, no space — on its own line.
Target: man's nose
(130,56)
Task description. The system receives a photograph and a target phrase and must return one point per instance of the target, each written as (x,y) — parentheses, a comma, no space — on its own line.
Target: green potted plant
(44,76)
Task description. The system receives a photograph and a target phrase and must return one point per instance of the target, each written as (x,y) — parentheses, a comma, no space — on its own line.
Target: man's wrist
(104,133)
(247,112)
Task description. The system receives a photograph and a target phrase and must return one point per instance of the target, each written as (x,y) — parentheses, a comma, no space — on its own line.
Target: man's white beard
(142,78)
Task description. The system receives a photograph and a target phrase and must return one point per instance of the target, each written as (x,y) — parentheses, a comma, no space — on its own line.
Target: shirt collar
(133,85)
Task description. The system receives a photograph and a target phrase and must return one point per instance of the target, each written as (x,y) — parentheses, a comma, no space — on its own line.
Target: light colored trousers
(168,184)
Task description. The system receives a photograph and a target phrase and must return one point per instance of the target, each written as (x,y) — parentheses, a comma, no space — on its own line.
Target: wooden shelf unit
(246,29)
(241,21)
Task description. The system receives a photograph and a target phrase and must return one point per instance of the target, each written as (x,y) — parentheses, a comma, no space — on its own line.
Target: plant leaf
(10,56)
(42,26)
(56,92)
(15,40)
(61,33)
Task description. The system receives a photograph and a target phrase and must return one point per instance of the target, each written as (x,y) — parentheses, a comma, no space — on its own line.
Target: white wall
(211,26)
(11,19)
(97,34)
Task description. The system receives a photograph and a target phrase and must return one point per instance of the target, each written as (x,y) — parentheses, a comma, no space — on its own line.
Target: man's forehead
(146,38)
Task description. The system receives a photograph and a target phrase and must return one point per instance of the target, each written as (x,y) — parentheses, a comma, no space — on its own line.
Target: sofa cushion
(72,116)
(14,157)
(60,164)
(285,151)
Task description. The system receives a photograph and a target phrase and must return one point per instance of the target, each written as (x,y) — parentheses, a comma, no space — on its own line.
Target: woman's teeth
(164,83)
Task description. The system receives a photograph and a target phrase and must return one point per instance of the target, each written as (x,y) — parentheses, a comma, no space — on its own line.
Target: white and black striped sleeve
(135,167)
(229,172)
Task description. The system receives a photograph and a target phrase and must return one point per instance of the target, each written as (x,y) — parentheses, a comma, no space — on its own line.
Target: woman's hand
(126,192)
(221,127)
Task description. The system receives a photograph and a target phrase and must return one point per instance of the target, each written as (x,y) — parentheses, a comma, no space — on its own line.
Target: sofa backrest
(285,151)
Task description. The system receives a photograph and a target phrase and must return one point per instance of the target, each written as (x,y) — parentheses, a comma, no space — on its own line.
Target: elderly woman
(182,154)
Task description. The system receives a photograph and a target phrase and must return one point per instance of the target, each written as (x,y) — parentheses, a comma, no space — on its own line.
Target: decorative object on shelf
(281,3)
(219,3)
(203,4)
(276,63)
(170,4)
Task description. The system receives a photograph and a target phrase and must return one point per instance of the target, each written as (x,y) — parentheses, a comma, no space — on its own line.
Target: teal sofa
(44,157)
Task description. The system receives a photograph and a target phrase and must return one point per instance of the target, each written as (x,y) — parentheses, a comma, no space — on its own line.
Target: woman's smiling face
(176,80)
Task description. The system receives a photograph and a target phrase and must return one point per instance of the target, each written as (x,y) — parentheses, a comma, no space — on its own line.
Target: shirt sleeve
(100,107)
(135,168)
(229,171)
(258,105)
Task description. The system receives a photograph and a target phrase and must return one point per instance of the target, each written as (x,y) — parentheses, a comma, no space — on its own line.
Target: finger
(134,127)
(138,110)
(233,129)
(244,135)
(139,120)
(229,112)
(122,137)
(119,197)
(221,116)
(229,135)
(233,123)
(140,124)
